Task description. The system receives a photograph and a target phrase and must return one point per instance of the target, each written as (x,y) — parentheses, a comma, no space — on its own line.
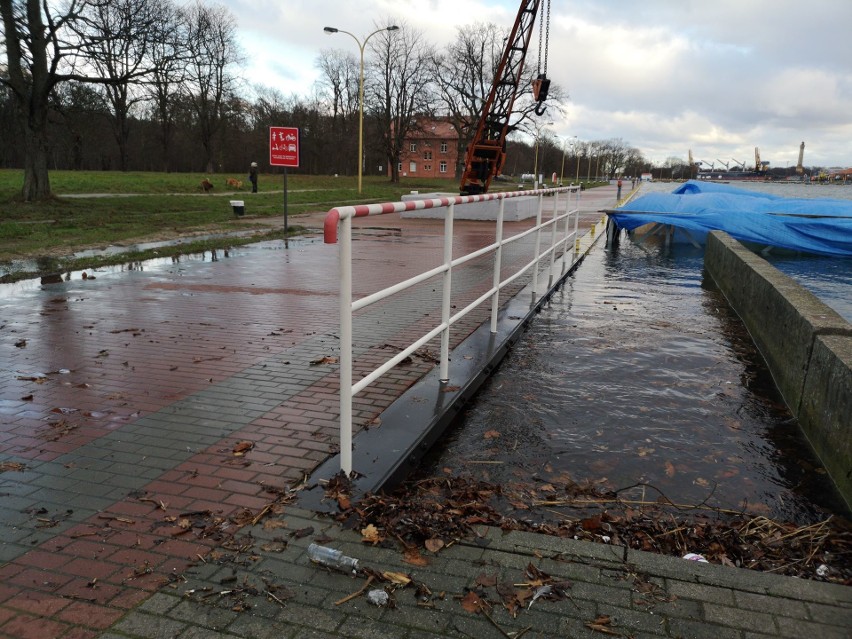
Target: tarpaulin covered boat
(821,226)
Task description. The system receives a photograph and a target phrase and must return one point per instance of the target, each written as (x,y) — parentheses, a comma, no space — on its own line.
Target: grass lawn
(132,207)
(164,206)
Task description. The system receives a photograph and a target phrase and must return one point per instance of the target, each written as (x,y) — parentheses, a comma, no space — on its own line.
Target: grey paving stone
(595,592)
(789,627)
(696,629)
(251,627)
(838,615)
(194,632)
(813,591)
(355,627)
(145,626)
(632,621)
(158,604)
(206,615)
(700,592)
(735,618)
(773,605)
(298,612)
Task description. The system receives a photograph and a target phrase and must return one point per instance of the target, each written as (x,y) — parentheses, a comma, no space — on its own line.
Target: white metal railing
(338,226)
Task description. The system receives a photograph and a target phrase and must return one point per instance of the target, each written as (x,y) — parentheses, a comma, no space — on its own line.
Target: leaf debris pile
(436,512)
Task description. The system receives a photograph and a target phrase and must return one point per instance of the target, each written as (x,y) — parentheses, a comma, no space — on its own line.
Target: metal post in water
(345,269)
(553,239)
(498,266)
(447,294)
(286,224)
(537,245)
(577,227)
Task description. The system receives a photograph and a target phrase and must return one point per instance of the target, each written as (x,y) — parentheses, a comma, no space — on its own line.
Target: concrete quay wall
(807,347)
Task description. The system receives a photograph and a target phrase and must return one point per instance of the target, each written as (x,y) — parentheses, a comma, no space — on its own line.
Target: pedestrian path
(150,414)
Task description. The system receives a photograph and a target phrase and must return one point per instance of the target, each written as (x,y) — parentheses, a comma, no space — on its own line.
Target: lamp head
(393,27)
(330,30)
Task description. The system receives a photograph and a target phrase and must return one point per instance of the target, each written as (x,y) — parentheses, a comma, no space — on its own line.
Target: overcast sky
(719,77)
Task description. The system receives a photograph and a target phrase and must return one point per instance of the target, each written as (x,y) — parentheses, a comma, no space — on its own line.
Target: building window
(427,167)
(399,167)
(443,147)
(442,167)
(412,167)
(412,146)
(427,155)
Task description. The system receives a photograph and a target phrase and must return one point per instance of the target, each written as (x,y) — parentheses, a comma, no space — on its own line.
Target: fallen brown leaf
(433,545)
(412,556)
(370,535)
(241,448)
(471,602)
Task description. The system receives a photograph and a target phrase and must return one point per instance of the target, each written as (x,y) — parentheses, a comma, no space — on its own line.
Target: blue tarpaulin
(818,225)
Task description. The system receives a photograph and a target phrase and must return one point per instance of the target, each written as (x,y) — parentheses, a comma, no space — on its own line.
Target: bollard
(238,206)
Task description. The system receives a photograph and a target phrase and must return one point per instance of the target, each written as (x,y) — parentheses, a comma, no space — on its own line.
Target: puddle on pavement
(11,289)
(638,371)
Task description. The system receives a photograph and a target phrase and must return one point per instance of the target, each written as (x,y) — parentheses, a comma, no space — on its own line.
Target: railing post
(537,244)
(577,226)
(554,224)
(447,294)
(498,266)
(565,248)
(346,345)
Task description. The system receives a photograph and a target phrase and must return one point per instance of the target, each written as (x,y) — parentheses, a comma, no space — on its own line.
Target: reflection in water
(638,371)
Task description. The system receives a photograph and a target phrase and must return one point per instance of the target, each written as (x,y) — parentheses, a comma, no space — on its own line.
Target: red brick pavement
(101,353)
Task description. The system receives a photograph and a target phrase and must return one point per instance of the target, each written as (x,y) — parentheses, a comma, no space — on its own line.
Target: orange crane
(486,153)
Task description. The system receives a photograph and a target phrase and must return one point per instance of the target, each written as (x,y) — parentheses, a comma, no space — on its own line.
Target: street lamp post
(577,154)
(361,46)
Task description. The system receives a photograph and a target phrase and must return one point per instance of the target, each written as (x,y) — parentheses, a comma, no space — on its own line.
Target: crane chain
(547,37)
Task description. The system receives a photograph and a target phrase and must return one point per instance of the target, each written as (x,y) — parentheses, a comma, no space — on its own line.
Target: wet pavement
(149,415)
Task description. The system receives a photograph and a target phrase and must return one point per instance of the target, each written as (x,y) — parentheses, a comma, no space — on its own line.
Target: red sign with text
(284,146)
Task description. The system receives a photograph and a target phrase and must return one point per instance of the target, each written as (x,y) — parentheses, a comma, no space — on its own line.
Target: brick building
(432,151)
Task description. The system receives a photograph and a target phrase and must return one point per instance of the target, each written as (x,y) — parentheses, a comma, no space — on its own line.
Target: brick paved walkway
(124,400)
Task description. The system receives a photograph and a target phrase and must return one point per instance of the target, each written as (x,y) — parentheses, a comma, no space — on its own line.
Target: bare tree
(115,40)
(213,51)
(84,116)
(399,86)
(167,57)
(613,155)
(338,90)
(34,44)
(464,74)
(43,50)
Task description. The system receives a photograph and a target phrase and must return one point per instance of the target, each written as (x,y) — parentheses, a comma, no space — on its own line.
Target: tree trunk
(36,178)
(394,167)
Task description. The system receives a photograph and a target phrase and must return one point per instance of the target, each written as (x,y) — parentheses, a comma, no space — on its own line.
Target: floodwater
(637,371)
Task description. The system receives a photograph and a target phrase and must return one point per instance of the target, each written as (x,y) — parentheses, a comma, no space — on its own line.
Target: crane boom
(486,153)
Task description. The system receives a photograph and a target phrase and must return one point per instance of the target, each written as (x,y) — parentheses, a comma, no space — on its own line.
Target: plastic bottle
(332,558)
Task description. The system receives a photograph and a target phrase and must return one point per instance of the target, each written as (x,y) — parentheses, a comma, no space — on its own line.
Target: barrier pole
(555,223)
(498,266)
(346,345)
(577,226)
(537,244)
(444,375)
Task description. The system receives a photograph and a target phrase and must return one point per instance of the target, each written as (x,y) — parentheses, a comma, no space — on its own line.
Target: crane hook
(540,86)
